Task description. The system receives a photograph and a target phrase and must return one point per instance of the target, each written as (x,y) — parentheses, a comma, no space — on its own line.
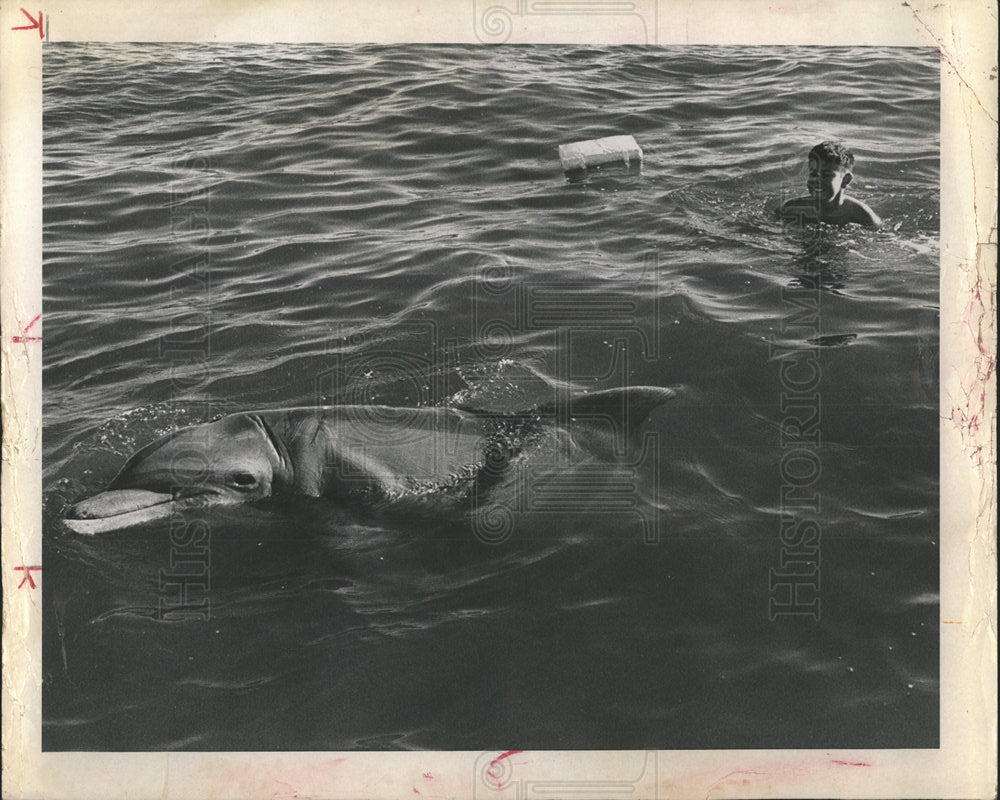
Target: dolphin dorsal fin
(630,405)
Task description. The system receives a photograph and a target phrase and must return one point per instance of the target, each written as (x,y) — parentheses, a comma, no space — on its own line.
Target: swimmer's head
(830,170)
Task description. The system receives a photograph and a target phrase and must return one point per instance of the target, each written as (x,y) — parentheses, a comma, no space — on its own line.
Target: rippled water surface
(231,228)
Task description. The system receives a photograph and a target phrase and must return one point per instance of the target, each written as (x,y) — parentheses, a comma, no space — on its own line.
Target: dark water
(232,228)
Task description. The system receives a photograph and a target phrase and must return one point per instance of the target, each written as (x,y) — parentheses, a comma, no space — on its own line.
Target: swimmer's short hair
(835,152)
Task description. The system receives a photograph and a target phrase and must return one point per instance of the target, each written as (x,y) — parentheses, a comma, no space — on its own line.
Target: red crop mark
(493,772)
(39,23)
(27,579)
(851,763)
(23,337)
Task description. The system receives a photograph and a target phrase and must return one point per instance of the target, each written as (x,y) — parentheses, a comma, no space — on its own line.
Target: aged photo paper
(308,259)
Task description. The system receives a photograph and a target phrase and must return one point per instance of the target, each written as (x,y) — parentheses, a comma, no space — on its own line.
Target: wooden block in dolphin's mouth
(118,508)
(580,155)
(113,502)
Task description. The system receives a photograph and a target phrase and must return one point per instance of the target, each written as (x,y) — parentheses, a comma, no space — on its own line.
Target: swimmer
(830,173)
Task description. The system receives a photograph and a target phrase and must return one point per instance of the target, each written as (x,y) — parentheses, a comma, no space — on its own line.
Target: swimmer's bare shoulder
(803,210)
(860,213)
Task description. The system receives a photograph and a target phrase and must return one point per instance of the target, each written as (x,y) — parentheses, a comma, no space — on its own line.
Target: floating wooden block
(581,155)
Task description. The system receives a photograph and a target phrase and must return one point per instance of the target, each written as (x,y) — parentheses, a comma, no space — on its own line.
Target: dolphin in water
(377,453)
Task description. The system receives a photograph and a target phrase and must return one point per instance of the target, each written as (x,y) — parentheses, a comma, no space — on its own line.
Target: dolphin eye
(242,480)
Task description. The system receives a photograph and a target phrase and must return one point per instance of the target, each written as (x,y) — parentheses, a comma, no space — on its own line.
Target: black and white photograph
(491,397)
(371,422)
